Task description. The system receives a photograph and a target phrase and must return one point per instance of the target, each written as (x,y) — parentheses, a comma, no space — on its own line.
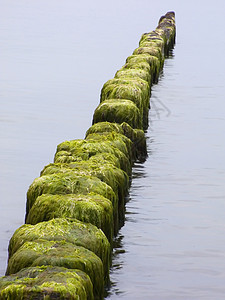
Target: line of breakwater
(77,204)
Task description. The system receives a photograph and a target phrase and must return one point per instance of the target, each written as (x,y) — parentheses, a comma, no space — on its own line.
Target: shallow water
(55,58)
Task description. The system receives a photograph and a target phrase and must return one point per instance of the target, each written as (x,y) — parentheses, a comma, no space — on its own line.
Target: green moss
(167,30)
(126,81)
(153,51)
(142,65)
(46,282)
(153,61)
(88,149)
(70,230)
(106,158)
(91,208)
(116,178)
(118,111)
(134,73)
(104,127)
(61,254)
(138,138)
(152,39)
(68,183)
(129,85)
(118,140)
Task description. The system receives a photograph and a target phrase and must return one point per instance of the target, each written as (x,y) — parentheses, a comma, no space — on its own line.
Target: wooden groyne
(76,206)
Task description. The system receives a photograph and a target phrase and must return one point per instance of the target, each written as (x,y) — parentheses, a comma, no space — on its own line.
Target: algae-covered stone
(120,141)
(134,73)
(68,183)
(137,136)
(106,158)
(131,84)
(167,30)
(154,51)
(118,111)
(60,254)
(103,127)
(85,150)
(142,65)
(152,39)
(70,230)
(126,86)
(126,80)
(91,208)
(153,61)
(46,282)
(116,178)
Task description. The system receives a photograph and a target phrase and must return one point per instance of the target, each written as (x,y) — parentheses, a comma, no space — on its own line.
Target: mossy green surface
(137,136)
(107,158)
(152,39)
(120,141)
(70,230)
(153,61)
(116,178)
(46,282)
(134,73)
(91,208)
(126,80)
(127,84)
(70,151)
(118,111)
(142,65)
(167,30)
(61,254)
(153,51)
(68,183)
(104,127)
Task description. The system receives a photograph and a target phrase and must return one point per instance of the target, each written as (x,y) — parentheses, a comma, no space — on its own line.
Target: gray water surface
(55,56)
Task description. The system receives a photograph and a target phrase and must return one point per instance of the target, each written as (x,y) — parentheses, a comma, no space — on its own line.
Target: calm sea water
(55,57)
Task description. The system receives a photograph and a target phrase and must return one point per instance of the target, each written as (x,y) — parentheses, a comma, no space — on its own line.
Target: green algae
(137,136)
(118,111)
(127,79)
(69,230)
(60,254)
(116,178)
(142,65)
(167,30)
(152,39)
(77,151)
(120,141)
(91,208)
(107,158)
(103,127)
(153,51)
(153,61)
(135,73)
(46,282)
(127,85)
(67,183)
